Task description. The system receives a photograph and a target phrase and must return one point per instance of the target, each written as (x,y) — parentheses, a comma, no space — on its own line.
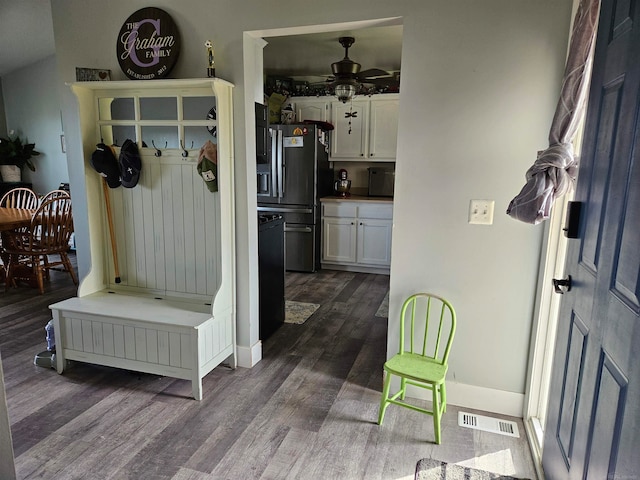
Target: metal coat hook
(158,151)
(185,153)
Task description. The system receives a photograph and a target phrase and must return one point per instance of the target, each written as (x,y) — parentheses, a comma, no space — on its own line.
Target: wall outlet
(481,212)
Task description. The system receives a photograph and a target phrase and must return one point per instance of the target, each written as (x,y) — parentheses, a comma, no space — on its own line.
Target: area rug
(429,469)
(298,312)
(383,309)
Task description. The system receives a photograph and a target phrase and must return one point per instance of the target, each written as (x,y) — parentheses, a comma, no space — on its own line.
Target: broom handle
(112,235)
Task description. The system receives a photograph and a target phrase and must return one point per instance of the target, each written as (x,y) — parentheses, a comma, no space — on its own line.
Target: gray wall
(479,87)
(32,107)
(3,120)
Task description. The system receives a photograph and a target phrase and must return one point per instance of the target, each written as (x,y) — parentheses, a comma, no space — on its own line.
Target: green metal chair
(431,323)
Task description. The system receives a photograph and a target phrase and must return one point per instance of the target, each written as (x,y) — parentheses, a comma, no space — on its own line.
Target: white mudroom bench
(158,336)
(158,283)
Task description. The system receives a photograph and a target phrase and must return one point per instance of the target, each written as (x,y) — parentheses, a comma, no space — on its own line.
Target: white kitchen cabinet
(366,129)
(349,136)
(313,108)
(340,236)
(383,129)
(357,235)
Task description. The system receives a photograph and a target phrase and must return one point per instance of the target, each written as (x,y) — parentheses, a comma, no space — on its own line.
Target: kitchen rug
(298,312)
(383,309)
(430,469)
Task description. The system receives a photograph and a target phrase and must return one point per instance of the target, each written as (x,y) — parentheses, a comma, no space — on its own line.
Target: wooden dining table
(12,218)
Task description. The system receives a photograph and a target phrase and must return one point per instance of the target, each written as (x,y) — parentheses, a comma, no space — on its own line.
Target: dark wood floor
(306,411)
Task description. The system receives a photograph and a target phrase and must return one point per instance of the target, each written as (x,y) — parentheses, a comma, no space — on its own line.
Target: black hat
(104,162)
(130,164)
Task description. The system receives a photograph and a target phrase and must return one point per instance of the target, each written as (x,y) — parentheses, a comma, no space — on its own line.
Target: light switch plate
(481,212)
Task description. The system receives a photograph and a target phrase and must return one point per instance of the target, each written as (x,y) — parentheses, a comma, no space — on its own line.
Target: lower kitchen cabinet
(356,236)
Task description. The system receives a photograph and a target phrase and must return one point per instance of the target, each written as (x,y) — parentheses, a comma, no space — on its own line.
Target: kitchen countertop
(357,198)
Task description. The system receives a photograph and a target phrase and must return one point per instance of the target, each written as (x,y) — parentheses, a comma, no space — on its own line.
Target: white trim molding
(477,398)
(249,356)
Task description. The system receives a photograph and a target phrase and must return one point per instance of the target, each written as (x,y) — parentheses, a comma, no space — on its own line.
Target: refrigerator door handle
(274,170)
(284,210)
(280,160)
(298,229)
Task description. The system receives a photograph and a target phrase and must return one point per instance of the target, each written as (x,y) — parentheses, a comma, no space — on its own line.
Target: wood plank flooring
(308,410)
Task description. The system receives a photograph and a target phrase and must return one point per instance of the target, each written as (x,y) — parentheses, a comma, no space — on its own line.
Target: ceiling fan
(347,75)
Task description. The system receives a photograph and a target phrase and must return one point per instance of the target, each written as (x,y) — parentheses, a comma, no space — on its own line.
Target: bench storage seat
(161,337)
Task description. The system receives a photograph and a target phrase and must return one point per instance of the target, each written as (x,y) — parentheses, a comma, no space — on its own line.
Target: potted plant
(16,154)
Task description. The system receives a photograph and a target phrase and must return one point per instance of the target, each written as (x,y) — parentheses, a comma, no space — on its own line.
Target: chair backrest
(429,321)
(55,194)
(20,197)
(52,225)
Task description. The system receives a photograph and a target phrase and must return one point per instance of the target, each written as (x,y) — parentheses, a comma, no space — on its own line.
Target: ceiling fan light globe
(345,92)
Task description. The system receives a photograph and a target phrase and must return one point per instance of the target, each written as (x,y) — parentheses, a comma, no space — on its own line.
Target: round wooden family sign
(148,44)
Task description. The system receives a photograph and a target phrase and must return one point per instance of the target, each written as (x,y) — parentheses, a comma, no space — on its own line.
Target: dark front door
(593,423)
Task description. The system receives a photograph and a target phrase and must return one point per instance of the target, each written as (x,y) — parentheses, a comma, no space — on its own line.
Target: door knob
(558,284)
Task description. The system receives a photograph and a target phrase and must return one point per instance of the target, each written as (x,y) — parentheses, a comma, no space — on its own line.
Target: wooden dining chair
(429,324)
(58,193)
(49,234)
(20,197)
(55,194)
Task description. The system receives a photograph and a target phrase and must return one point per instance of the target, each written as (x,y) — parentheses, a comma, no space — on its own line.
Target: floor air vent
(488,424)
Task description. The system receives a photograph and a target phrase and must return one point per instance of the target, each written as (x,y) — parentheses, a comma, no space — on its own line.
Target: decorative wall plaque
(148,44)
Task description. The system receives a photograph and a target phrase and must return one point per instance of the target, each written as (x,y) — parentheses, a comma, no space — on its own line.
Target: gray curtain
(554,171)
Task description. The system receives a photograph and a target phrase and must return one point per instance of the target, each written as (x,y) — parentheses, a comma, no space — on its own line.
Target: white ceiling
(26,33)
(26,36)
(313,54)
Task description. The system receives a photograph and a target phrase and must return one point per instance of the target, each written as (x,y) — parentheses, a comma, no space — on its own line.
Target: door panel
(593,423)
(299,166)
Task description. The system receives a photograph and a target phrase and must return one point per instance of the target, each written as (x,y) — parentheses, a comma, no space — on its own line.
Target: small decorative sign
(148,44)
(92,74)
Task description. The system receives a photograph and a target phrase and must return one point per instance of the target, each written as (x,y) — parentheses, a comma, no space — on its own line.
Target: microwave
(381,180)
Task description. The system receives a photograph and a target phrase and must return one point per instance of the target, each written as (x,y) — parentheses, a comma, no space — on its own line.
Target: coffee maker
(342,185)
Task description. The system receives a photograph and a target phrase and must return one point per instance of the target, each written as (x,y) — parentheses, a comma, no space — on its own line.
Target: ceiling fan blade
(372,73)
(382,82)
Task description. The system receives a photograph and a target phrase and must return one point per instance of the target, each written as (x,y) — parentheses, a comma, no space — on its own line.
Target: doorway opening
(285,53)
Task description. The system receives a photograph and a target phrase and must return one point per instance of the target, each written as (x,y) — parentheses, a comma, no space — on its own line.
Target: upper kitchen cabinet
(313,108)
(351,130)
(365,130)
(383,129)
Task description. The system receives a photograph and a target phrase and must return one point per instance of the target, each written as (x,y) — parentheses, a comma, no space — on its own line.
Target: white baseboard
(477,398)
(249,356)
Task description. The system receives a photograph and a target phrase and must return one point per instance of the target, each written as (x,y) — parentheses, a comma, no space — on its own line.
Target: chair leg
(403,388)
(443,397)
(68,267)
(8,279)
(385,395)
(37,270)
(14,261)
(45,260)
(437,412)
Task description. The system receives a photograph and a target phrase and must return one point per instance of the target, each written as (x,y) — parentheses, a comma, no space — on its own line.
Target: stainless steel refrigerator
(291,180)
